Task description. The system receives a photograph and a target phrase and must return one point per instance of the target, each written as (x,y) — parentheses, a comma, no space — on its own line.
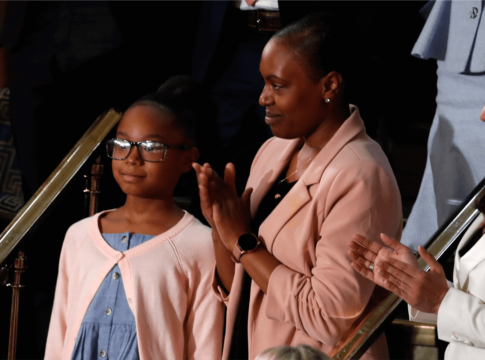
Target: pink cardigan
(315,295)
(168,286)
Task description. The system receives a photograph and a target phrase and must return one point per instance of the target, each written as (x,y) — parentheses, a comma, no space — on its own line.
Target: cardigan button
(116,276)
(108,311)
(102,353)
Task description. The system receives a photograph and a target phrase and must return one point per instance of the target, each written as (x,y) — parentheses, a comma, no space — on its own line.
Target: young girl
(135,282)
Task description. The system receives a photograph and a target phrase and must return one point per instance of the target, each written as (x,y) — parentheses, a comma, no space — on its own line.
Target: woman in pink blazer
(282,266)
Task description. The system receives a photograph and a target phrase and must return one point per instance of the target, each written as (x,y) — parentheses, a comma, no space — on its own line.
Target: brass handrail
(43,199)
(417,333)
(57,181)
(381,307)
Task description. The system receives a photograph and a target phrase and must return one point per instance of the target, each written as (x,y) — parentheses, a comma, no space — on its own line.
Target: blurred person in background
(454,35)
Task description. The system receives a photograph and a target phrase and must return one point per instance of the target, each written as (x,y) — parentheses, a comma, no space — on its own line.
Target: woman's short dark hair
(183,98)
(324,42)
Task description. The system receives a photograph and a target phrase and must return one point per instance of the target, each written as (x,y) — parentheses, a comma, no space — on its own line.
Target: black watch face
(247,242)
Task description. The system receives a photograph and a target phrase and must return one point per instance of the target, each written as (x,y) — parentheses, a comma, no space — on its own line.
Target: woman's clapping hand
(203,173)
(397,270)
(223,209)
(230,218)
(365,251)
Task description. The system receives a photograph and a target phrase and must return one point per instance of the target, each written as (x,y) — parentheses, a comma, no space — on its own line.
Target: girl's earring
(327,100)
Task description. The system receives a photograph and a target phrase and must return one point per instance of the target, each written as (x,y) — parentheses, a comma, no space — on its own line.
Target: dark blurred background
(63,63)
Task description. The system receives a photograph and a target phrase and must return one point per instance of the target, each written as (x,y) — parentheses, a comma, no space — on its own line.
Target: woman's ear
(191,155)
(332,84)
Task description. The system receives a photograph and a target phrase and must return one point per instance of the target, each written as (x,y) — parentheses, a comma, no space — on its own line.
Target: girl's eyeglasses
(153,151)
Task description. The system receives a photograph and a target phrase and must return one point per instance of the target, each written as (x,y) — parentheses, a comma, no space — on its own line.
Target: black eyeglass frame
(181,147)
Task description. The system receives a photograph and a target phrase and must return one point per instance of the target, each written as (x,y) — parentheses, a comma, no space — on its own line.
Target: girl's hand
(397,272)
(231,214)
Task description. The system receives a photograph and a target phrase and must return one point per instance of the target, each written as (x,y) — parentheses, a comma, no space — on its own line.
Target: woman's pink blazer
(315,295)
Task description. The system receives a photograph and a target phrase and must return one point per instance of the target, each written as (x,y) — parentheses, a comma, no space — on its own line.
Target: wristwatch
(246,243)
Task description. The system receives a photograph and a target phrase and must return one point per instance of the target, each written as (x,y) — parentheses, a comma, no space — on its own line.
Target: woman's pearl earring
(327,100)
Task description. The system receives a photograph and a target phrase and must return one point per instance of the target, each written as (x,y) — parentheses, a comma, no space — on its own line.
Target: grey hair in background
(299,352)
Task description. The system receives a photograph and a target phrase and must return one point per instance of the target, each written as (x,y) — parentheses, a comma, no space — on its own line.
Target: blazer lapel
(299,194)
(289,205)
(465,264)
(271,174)
(351,128)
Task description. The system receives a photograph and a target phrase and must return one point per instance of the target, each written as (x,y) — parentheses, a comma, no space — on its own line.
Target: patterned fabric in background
(11,198)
